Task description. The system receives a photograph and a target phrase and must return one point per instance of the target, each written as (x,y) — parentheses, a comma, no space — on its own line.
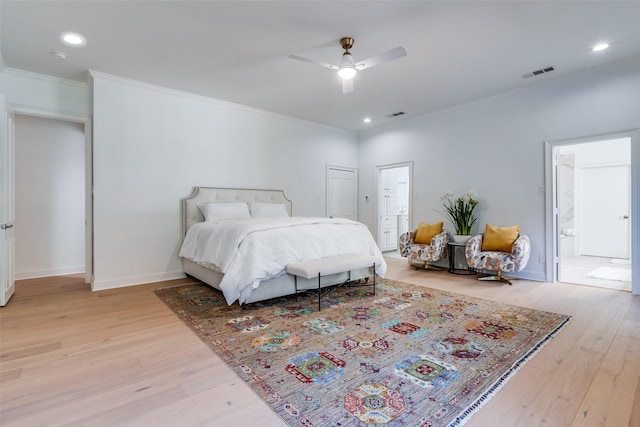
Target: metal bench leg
(319,292)
(374,279)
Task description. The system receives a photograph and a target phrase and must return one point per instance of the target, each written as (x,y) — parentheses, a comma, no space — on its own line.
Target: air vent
(399,113)
(538,72)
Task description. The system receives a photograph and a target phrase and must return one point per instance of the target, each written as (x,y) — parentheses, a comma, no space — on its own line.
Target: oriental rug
(406,356)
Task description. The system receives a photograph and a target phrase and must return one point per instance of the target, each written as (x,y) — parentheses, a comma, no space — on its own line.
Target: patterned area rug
(408,356)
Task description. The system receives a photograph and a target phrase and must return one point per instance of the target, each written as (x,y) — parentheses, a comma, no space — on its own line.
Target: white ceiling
(457,52)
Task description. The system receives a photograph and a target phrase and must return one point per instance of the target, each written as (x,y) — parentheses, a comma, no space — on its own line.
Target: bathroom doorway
(394,205)
(593,195)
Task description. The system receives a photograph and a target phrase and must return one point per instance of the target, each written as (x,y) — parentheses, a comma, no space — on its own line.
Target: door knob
(625,216)
(6,226)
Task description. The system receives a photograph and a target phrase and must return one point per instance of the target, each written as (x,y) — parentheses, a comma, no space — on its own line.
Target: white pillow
(228,210)
(262,209)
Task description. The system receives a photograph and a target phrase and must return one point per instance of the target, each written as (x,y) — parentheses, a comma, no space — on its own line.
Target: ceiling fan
(348,68)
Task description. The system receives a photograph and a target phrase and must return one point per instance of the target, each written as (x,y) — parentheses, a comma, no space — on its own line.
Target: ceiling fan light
(347,68)
(347,73)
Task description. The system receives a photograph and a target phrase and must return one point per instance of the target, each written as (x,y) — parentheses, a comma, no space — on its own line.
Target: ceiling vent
(399,113)
(538,72)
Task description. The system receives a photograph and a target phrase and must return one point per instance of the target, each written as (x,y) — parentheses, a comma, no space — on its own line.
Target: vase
(461,238)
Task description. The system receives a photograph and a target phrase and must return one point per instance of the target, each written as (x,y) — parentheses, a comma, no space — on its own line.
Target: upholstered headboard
(191,213)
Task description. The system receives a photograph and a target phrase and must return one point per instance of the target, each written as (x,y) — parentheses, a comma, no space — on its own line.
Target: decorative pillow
(228,210)
(426,232)
(263,209)
(499,238)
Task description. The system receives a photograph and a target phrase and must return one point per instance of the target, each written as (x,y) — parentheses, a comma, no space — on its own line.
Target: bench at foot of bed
(319,267)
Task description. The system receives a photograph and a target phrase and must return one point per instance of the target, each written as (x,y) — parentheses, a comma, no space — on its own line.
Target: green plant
(460,210)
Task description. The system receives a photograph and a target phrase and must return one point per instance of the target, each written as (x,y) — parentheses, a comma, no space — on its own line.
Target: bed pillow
(264,209)
(426,232)
(499,238)
(224,210)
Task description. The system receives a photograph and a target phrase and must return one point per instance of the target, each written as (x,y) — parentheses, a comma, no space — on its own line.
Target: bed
(254,257)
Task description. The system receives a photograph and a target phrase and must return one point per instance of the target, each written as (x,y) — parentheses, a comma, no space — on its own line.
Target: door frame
(329,188)
(552,234)
(88,171)
(379,170)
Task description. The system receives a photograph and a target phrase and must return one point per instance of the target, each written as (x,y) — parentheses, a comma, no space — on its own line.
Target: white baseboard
(35,274)
(535,276)
(102,285)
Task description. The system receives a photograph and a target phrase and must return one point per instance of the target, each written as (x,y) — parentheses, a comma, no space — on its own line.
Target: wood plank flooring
(72,357)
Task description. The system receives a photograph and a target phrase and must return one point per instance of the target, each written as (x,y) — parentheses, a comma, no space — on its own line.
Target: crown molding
(44,77)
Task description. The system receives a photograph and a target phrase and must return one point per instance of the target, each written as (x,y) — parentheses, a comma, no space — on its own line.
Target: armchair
(420,255)
(498,260)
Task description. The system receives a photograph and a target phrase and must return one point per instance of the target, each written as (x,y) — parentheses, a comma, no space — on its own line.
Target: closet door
(342,193)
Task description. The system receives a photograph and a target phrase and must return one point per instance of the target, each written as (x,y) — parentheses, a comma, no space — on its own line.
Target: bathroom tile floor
(575,269)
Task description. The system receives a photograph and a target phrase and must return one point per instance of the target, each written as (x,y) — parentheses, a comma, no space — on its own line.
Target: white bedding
(248,251)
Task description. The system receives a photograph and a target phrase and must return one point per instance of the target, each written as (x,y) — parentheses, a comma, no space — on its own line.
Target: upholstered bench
(308,269)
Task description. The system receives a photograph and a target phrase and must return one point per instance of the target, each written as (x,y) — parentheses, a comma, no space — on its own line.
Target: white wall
(152,145)
(497,147)
(49,177)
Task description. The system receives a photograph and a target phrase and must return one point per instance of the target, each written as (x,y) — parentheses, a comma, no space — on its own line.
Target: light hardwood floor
(70,356)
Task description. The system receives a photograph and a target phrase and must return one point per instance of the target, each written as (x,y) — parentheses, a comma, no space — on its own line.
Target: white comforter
(249,251)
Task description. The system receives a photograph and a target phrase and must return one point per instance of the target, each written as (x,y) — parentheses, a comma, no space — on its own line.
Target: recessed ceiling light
(601,46)
(367,120)
(73,39)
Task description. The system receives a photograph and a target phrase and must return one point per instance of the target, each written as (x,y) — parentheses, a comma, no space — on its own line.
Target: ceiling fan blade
(313,61)
(387,56)
(347,86)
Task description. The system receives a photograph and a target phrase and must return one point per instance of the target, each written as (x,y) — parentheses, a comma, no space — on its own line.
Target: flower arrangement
(460,210)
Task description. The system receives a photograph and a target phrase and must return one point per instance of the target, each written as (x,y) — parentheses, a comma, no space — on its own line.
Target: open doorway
(394,205)
(50,203)
(592,189)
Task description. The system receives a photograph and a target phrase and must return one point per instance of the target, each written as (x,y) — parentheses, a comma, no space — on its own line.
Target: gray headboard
(191,213)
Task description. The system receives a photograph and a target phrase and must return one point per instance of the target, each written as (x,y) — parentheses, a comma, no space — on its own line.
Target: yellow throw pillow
(426,232)
(499,238)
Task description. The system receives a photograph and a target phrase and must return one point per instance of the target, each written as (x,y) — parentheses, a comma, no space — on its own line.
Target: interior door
(605,211)
(342,190)
(7,200)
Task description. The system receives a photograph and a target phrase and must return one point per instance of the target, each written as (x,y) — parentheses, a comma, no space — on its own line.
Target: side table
(453,247)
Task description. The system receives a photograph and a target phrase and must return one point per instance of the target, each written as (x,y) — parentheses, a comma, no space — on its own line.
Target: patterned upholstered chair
(421,255)
(499,261)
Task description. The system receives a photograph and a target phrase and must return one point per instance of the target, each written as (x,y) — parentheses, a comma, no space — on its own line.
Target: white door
(605,211)
(342,191)
(7,198)
(388,192)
